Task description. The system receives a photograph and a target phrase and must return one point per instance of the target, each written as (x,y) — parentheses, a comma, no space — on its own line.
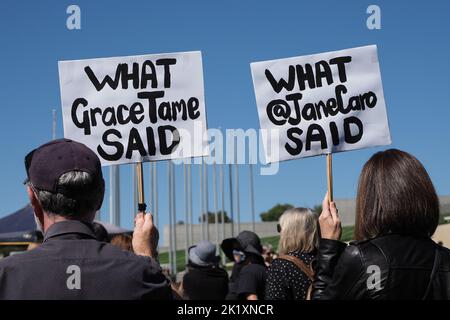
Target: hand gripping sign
(136,108)
(321,104)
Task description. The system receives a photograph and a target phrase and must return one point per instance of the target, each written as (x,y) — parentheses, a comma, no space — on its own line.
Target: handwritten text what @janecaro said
(288,111)
(139,77)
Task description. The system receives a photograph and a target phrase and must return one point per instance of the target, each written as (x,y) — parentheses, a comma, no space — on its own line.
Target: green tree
(317,208)
(275,212)
(212,217)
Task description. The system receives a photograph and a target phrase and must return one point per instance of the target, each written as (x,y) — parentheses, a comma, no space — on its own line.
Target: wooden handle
(330,177)
(140,181)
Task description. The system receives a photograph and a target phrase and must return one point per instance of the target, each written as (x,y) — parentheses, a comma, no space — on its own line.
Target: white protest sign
(136,108)
(321,103)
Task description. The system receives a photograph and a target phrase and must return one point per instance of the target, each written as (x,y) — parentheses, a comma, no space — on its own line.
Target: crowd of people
(392,257)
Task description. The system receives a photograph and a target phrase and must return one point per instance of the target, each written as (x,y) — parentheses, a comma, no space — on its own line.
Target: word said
(165,134)
(316,133)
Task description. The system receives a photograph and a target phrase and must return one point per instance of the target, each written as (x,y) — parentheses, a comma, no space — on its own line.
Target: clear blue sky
(413,47)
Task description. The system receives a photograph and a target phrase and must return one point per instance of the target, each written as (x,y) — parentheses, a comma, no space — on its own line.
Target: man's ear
(35,204)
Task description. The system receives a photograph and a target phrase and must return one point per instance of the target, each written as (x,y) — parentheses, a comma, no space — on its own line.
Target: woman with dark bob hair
(393,257)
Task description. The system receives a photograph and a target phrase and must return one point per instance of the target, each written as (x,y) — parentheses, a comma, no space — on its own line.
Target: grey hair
(299,231)
(83,194)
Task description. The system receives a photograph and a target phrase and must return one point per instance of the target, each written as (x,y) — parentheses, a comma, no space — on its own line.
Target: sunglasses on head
(278,227)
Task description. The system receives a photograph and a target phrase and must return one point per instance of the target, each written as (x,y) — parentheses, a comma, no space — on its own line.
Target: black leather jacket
(387,267)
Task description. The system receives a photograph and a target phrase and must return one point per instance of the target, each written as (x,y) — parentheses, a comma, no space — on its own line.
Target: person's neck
(51,219)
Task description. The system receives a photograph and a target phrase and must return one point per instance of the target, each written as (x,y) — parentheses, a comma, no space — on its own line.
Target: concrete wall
(444,202)
(346,209)
(263,229)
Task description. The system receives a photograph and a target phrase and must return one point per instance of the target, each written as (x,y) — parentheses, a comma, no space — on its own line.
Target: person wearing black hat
(65,186)
(249,271)
(204,279)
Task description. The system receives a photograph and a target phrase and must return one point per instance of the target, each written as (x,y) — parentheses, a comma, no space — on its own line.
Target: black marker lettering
(166,63)
(84,124)
(107,80)
(279,85)
(294,134)
(119,147)
(340,62)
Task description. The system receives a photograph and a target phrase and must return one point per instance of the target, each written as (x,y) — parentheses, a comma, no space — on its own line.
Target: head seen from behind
(81,198)
(395,195)
(65,182)
(299,231)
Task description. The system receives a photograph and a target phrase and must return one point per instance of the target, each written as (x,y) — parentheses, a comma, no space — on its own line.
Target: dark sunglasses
(278,227)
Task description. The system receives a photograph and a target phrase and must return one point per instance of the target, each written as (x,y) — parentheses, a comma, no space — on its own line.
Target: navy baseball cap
(46,164)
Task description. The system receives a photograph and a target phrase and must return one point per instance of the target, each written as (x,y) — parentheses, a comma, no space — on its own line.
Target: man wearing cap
(204,279)
(248,276)
(65,186)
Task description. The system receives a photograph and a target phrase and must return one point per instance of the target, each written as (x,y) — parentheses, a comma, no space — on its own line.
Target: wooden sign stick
(330,177)
(140,181)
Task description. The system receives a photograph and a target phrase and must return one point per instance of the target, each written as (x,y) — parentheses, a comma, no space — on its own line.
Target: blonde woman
(290,275)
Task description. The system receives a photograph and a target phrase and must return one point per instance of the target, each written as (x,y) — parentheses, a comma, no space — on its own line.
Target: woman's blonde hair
(299,231)
(123,241)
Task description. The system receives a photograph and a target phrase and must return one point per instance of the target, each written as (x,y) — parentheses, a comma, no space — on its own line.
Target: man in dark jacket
(66,187)
(205,280)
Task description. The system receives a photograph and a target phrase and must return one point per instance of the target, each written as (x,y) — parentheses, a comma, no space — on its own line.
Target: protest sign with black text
(136,108)
(321,104)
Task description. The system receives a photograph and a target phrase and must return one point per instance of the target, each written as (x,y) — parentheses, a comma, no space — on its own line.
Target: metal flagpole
(117,194)
(222,207)
(216,212)
(155,195)
(252,195)
(111,195)
(191,231)
(174,233)
(222,192)
(186,213)
(230,178)
(151,191)
(114,195)
(202,225)
(54,124)
(205,176)
(169,175)
(238,205)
